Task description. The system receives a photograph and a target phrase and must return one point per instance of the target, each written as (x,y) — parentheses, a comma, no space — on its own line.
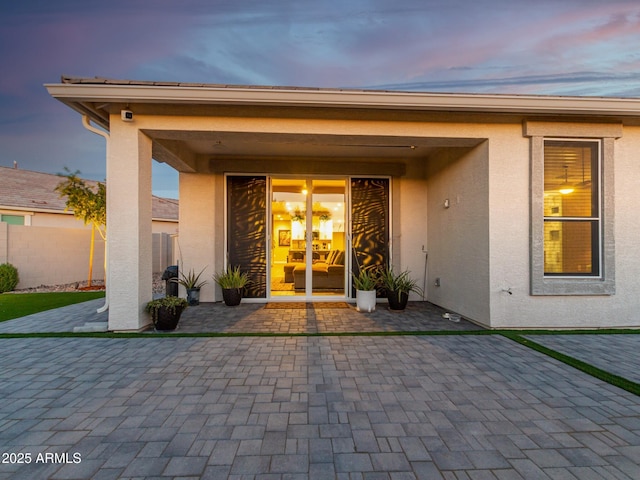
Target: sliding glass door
(291,234)
(308,237)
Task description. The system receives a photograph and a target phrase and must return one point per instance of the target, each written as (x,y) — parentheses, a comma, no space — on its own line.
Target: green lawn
(21,304)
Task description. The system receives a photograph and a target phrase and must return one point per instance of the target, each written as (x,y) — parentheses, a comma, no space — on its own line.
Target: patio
(414,407)
(255,318)
(365,406)
(337,317)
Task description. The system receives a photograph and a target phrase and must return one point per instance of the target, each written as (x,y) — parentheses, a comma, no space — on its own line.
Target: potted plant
(232,281)
(398,286)
(165,312)
(365,283)
(192,283)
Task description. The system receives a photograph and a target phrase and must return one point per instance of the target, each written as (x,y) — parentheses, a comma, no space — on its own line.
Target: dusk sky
(557,47)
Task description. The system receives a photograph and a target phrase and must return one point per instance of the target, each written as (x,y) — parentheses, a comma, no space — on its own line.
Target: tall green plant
(398,282)
(89,204)
(366,279)
(191,280)
(232,278)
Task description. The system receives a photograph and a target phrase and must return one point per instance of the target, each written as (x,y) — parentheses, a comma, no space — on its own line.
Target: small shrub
(232,278)
(8,277)
(173,304)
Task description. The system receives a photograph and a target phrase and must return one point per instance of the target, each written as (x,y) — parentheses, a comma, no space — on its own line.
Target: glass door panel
(288,244)
(328,242)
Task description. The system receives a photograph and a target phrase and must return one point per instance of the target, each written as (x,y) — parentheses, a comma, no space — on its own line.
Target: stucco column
(129,226)
(201,227)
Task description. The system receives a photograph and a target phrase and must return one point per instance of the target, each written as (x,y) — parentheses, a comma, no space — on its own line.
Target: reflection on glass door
(307,251)
(328,242)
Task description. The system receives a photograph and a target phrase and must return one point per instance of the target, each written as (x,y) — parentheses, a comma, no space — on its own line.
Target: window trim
(604,284)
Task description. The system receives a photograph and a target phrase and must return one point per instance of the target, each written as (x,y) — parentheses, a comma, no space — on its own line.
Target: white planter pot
(365,300)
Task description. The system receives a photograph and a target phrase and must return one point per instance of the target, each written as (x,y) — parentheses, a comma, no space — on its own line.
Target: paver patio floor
(255,318)
(473,406)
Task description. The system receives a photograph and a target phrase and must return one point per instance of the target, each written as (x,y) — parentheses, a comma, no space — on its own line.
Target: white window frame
(594,218)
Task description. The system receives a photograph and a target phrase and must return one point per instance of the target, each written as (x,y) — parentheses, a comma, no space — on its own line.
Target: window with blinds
(572,206)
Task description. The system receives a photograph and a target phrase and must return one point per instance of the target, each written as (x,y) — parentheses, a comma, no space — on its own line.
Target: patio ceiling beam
(176,154)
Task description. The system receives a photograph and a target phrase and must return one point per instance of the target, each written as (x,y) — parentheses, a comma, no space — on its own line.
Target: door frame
(308,295)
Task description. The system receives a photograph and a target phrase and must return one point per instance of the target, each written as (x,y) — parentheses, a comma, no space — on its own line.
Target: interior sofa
(327,275)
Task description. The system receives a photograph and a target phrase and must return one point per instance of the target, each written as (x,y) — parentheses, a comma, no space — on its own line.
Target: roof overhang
(87,96)
(215,150)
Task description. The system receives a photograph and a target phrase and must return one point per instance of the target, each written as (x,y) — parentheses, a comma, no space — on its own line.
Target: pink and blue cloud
(565,47)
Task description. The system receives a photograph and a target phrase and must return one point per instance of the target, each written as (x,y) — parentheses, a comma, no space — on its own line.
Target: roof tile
(26,189)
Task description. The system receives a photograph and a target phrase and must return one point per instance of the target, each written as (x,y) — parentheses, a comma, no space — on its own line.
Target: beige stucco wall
(410,213)
(201,241)
(51,256)
(479,247)
(458,241)
(64,220)
(509,223)
(510,252)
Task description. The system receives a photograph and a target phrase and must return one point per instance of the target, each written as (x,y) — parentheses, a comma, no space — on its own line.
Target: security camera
(127,115)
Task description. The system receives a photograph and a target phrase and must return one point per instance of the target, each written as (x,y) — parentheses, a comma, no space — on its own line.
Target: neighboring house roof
(35,191)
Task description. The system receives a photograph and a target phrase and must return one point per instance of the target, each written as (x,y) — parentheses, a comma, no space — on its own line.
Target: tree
(89,204)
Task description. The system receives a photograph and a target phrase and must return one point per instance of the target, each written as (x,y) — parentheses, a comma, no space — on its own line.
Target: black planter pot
(397,301)
(232,296)
(168,319)
(193,296)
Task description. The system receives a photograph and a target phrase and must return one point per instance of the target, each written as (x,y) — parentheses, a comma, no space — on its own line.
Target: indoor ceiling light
(566,187)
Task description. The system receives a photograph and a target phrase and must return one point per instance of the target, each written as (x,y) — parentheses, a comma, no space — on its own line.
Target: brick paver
(612,353)
(62,319)
(254,318)
(309,407)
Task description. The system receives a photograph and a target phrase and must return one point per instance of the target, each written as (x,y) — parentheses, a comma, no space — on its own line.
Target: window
(572,207)
(12,219)
(572,245)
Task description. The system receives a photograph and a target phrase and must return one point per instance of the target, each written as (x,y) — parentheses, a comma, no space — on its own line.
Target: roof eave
(80,96)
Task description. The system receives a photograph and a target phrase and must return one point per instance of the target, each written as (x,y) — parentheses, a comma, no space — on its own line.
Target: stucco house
(512,210)
(29,198)
(49,245)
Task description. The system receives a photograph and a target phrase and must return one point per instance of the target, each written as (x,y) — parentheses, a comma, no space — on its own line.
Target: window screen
(571,208)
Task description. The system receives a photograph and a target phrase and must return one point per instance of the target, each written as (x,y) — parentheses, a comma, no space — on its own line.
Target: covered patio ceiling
(177,147)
